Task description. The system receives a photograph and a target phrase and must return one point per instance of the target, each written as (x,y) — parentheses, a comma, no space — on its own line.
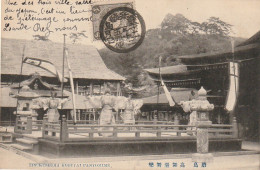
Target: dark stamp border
(133,12)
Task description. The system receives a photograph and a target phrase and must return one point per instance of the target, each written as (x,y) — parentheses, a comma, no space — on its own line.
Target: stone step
(21,147)
(27,141)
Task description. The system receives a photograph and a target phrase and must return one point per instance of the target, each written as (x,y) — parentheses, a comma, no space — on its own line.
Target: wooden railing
(66,131)
(7,123)
(27,126)
(50,131)
(22,126)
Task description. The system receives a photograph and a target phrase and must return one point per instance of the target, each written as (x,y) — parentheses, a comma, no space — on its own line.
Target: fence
(7,123)
(27,125)
(65,131)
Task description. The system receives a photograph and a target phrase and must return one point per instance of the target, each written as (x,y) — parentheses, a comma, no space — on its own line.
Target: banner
(46,65)
(233,86)
(167,93)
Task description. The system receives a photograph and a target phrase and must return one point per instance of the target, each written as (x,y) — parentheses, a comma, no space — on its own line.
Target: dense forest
(176,36)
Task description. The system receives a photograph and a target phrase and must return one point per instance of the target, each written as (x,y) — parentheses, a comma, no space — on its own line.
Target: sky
(244,15)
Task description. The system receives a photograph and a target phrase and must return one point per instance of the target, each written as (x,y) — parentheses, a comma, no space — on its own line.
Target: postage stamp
(122,29)
(99,10)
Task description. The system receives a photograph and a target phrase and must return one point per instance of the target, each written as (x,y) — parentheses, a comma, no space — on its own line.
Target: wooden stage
(64,139)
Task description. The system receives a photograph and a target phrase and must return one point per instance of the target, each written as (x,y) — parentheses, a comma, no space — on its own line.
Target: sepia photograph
(130,84)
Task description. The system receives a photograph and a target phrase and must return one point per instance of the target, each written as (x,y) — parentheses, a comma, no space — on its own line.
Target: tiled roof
(252,40)
(178,95)
(250,44)
(85,61)
(168,69)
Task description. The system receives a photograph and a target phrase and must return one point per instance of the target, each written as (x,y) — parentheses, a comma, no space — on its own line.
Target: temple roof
(222,55)
(35,81)
(252,40)
(251,46)
(168,70)
(250,49)
(85,61)
(178,94)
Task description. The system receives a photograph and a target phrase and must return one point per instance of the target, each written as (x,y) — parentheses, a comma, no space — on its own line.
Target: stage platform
(129,146)
(85,140)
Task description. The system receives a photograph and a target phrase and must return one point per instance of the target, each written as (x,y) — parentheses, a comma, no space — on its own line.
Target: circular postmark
(122,29)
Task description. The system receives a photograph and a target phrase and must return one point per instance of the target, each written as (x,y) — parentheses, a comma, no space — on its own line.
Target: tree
(177,36)
(177,24)
(195,27)
(215,26)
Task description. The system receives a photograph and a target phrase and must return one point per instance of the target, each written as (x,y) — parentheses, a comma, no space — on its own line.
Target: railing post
(137,133)
(29,125)
(177,122)
(63,129)
(155,118)
(44,121)
(38,126)
(115,131)
(159,133)
(91,134)
(234,128)
(17,123)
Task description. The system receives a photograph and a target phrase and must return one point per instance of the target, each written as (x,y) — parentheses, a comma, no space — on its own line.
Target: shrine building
(212,71)
(90,74)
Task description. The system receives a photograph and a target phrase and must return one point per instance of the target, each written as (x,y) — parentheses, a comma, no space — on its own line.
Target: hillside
(177,36)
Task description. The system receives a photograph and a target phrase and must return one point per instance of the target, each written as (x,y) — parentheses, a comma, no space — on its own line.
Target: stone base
(202,157)
(6,137)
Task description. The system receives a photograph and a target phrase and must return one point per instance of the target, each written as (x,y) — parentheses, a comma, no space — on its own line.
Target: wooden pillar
(105,85)
(118,89)
(137,133)
(166,116)
(100,89)
(91,89)
(115,131)
(94,116)
(77,87)
(158,133)
(234,128)
(177,122)
(155,118)
(79,114)
(116,115)
(219,122)
(91,134)
(93,113)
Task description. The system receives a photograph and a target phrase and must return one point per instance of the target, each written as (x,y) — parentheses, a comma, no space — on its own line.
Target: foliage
(177,36)
(178,24)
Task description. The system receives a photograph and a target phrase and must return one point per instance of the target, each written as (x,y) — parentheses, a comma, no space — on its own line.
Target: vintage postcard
(130,84)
